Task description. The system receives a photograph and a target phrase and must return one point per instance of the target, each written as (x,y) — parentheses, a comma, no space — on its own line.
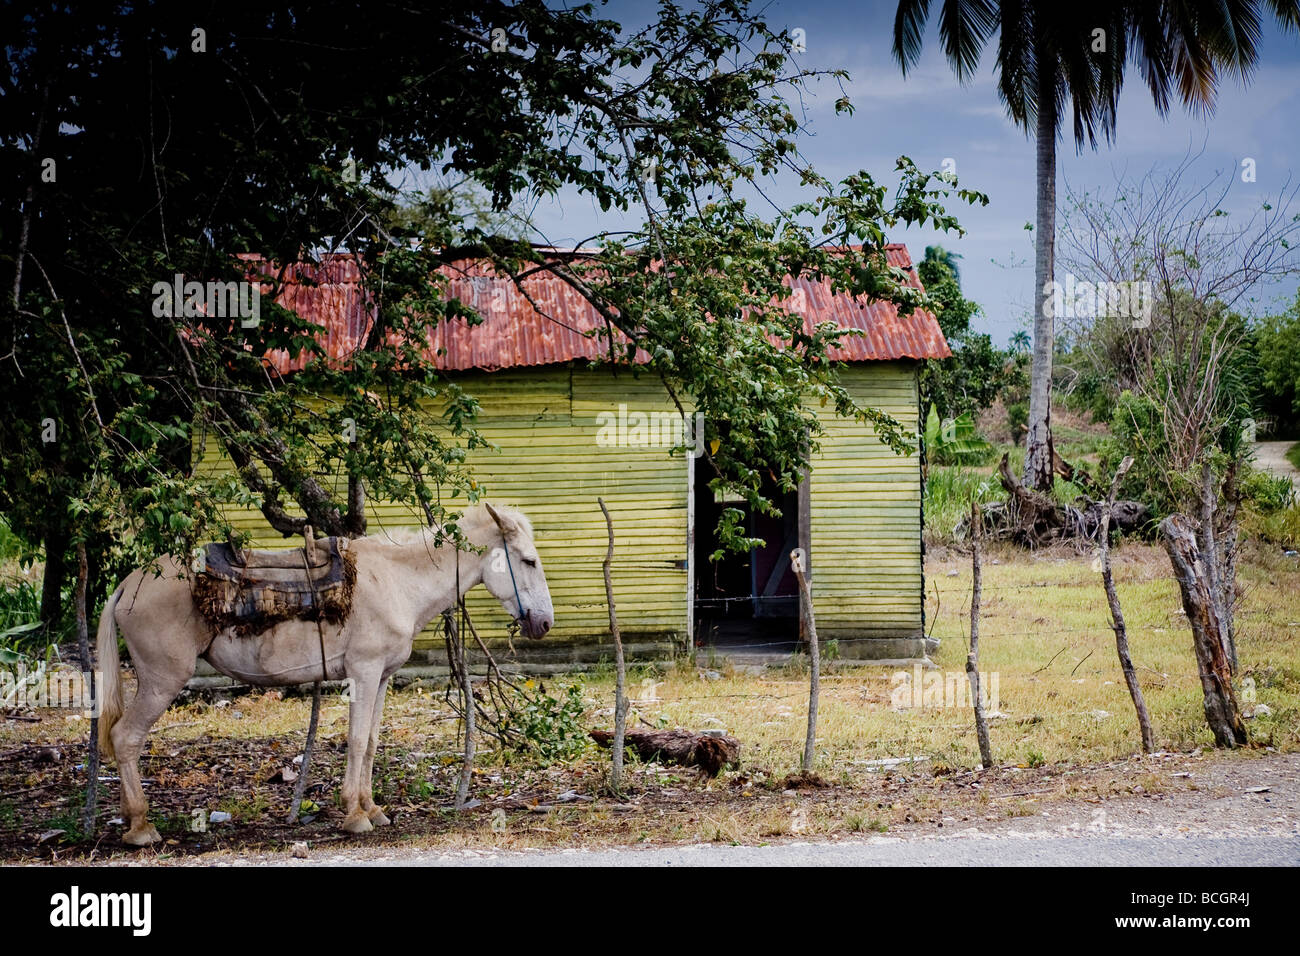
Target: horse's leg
(376,815)
(365,688)
(156,690)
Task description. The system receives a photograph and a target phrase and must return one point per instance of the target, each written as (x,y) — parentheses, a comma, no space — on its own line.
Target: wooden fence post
(814,656)
(973,658)
(620,668)
(1117,615)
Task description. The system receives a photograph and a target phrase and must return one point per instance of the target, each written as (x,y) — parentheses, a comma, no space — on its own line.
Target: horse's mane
(476,516)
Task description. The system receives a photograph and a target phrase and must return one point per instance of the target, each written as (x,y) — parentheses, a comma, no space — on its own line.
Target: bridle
(523,615)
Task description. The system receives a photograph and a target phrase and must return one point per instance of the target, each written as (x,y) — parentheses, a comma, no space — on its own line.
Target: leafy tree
(944,257)
(976,374)
(1048,52)
(141,142)
(1276,344)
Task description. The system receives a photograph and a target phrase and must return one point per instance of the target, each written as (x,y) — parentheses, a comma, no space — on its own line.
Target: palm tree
(941,256)
(1048,51)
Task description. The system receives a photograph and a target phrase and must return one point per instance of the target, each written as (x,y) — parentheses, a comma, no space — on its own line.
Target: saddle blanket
(252,591)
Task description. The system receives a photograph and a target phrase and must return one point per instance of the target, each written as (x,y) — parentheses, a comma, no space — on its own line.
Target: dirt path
(1213,810)
(1270,456)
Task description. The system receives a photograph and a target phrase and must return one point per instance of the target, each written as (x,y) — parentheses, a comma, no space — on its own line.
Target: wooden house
(568,429)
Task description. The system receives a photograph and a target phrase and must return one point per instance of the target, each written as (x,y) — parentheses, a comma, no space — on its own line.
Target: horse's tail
(110,694)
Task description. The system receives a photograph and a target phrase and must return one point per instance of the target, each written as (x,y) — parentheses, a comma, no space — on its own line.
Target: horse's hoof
(357,822)
(379,818)
(141,836)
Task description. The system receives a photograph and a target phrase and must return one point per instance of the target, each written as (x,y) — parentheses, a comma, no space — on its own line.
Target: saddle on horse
(251,591)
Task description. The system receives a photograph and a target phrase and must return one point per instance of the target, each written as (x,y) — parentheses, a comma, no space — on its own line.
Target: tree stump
(1178,533)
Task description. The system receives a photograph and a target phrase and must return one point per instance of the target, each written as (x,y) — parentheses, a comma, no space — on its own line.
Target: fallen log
(1077,475)
(1033,519)
(706,751)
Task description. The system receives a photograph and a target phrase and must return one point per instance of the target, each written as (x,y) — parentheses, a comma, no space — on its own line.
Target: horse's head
(512,572)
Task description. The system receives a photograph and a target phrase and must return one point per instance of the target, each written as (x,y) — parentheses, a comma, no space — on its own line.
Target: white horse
(402,585)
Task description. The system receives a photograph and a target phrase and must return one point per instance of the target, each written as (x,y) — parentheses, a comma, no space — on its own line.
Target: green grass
(949,492)
(1293,454)
(1279,527)
(20,604)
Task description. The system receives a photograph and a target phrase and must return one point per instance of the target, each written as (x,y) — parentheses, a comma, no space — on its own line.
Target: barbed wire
(1101,629)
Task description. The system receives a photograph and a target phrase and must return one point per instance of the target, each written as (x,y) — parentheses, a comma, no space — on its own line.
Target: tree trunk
(1117,617)
(1038,440)
(973,658)
(300,787)
(1221,711)
(620,668)
(456,646)
(56,572)
(91,808)
(1210,552)
(355,522)
(1227,535)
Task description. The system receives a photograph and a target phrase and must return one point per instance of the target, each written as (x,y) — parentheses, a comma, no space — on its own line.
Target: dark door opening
(747,599)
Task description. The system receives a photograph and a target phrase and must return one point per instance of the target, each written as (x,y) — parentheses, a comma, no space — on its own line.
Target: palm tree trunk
(1038,441)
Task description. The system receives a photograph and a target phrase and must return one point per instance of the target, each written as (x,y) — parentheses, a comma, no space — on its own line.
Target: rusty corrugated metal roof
(553,327)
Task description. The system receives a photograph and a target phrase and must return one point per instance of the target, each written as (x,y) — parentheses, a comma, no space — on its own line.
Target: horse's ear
(504,523)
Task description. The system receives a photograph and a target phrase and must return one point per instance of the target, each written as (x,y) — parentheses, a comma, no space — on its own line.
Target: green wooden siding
(554,469)
(865,516)
(547,462)
(865,506)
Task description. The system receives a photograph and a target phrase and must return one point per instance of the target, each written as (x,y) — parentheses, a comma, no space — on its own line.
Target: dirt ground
(1063,735)
(1256,793)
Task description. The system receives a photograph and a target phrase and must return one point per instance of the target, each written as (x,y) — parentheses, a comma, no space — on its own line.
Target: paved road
(1270,456)
(1003,850)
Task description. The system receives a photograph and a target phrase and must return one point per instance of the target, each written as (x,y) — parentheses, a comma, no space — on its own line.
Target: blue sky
(930,117)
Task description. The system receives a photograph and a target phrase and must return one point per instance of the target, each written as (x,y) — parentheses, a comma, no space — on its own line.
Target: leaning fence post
(1117,615)
(973,658)
(814,657)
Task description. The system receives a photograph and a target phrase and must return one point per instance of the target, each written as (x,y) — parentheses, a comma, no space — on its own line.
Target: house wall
(865,515)
(548,462)
(551,465)
(865,511)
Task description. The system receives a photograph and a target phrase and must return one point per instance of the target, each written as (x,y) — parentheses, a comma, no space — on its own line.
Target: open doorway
(748,601)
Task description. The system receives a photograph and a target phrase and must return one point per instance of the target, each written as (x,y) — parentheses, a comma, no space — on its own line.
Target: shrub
(552,727)
(1265,491)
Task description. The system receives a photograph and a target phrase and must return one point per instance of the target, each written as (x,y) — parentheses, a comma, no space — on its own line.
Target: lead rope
(301,786)
(519,605)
